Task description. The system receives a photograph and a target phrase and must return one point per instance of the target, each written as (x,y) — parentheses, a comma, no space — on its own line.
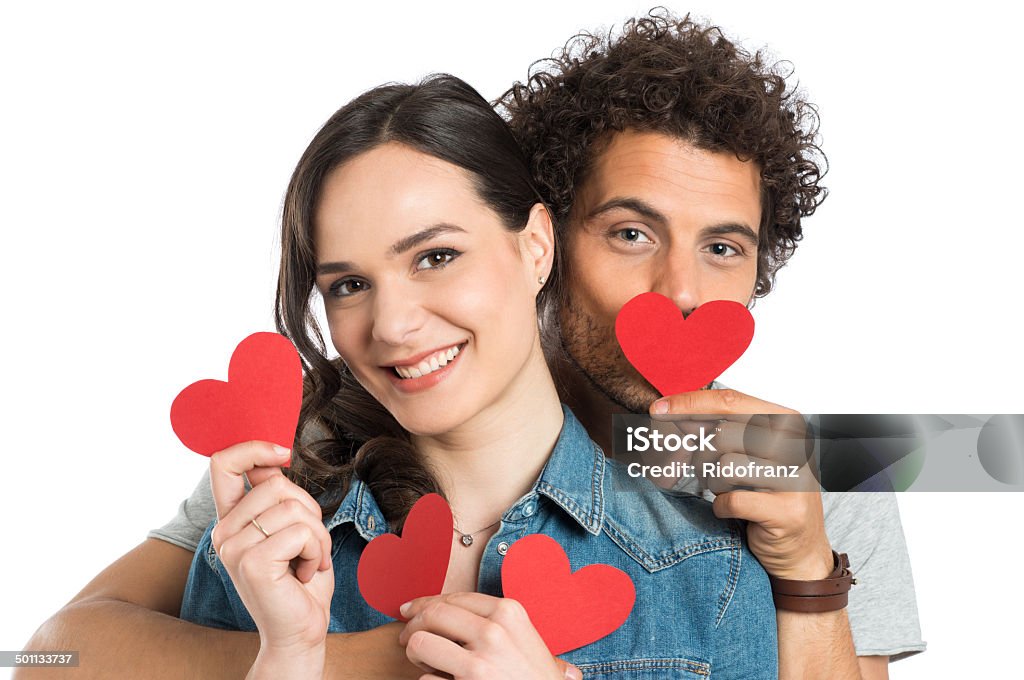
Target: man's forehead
(667,171)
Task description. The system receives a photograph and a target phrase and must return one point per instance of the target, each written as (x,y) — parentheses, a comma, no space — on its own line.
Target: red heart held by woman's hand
(393,570)
(259,402)
(569,610)
(681,355)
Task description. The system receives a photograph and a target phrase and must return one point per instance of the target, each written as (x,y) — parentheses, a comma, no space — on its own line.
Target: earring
(541,280)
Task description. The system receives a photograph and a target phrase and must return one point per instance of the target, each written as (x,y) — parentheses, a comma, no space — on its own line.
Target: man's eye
(347,287)
(631,235)
(723,250)
(436,259)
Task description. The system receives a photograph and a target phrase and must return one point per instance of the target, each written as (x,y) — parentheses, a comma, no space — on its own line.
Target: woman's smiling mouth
(433,362)
(425,370)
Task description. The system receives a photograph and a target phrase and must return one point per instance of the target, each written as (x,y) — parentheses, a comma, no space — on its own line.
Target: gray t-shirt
(866,525)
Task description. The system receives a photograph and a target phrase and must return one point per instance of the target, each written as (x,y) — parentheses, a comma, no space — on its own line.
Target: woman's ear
(538,241)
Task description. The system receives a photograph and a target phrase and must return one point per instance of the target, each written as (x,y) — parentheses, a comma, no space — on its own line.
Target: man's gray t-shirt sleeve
(883,606)
(194,514)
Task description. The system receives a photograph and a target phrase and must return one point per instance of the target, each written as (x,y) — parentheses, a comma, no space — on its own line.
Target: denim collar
(573,478)
(574,475)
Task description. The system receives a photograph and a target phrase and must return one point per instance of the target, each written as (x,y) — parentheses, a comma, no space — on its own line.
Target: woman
(413,214)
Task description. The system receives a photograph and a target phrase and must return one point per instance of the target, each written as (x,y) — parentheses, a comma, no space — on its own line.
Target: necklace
(467,539)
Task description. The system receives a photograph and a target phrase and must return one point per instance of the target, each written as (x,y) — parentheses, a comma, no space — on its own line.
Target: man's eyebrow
(397,248)
(647,211)
(734,228)
(636,205)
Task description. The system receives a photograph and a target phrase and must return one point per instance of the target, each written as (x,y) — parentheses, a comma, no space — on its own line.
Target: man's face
(654,214)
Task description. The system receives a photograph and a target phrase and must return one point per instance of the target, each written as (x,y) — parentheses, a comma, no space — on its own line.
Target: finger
(763,443)
(435,653)
(264,496)
(569,671)
(732,403)
(272,557)
(289,512)
(478,603)
(740,471)
(444,619)
(258,475)
(767,509)
(231,547)
(228,466)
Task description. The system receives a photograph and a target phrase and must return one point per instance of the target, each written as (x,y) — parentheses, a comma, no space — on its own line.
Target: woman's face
(429,298)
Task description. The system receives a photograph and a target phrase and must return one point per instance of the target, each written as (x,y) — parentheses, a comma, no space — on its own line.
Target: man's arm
(814,646)
(874,667)
(124,624)
(786,528)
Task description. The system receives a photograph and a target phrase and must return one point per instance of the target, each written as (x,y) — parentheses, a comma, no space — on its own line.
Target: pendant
(467,540)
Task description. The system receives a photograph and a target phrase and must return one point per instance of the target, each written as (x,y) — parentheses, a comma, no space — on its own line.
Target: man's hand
(786,529)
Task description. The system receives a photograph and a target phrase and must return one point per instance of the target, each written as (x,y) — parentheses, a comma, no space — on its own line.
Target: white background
(145,153)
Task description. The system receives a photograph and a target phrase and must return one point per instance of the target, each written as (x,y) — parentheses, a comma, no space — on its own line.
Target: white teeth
(428,365)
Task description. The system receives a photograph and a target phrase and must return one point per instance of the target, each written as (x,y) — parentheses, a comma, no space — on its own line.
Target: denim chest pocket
(646,669)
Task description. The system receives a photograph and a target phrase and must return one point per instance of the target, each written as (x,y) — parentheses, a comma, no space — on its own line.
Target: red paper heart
(394,570)
(569,610)
(260,401)
(681,355)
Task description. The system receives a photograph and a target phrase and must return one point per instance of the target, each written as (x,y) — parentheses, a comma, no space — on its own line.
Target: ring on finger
(262,530)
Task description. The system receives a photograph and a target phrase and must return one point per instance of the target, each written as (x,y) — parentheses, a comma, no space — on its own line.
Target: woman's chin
(437,422)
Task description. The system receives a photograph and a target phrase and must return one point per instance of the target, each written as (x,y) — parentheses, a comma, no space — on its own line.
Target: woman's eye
(436,259)
(347,287)
(723,250)
(631,235)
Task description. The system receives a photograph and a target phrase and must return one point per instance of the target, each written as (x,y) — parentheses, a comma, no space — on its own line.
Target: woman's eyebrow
(413,240)
(334,268)
(398,247)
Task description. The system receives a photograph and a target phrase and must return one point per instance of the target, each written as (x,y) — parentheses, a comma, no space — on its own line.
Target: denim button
(371,523)
(502,548)
(529,509)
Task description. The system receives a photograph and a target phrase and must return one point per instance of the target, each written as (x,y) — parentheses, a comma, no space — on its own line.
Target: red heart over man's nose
(260,401)
(569,610)
(393,570)
(681,355)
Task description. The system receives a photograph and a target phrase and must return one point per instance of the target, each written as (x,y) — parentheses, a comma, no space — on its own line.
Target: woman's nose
(398,314)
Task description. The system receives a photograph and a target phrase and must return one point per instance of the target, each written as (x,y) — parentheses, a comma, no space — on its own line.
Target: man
(673,162)
(676,162)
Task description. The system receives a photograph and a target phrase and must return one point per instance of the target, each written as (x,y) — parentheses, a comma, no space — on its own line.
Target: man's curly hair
(673,76)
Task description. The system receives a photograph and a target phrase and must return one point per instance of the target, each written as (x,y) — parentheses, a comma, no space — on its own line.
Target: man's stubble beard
(592,348)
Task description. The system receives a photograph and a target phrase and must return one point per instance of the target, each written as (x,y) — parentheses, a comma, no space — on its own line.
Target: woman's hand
(471,636)
(281,563)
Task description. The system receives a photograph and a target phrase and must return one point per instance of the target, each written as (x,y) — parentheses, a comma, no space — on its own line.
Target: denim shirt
(703,603)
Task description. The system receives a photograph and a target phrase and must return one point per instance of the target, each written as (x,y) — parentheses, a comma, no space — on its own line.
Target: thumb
(570,671)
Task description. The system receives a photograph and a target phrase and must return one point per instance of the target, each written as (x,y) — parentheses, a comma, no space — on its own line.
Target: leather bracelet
(824,595)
